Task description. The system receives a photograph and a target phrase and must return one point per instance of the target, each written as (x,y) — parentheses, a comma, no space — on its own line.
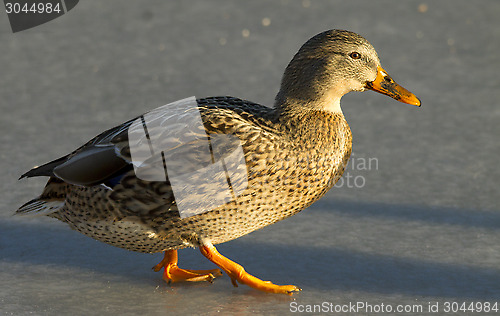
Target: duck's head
(330,65)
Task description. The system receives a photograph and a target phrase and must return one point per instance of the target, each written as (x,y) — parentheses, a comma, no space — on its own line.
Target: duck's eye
(355,55)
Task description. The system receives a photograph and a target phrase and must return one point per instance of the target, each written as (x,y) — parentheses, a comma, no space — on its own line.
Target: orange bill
(384,84)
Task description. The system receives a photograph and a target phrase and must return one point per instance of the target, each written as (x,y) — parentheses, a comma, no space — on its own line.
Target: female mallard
(293,154)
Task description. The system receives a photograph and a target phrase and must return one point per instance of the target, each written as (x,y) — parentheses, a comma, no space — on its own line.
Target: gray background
(425,227)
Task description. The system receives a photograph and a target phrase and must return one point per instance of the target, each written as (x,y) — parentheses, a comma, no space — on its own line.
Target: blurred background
(420,224)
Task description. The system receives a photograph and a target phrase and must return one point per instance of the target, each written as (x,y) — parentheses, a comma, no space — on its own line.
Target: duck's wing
(90,164)
(204,164)
(132,159)
(179,130)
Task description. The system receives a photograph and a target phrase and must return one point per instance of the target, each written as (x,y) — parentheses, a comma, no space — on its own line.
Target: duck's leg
(238,274)
(173,273)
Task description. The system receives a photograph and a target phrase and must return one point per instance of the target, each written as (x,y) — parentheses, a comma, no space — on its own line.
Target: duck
(272,163)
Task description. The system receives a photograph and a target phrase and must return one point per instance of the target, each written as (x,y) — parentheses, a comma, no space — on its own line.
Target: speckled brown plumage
(289,167)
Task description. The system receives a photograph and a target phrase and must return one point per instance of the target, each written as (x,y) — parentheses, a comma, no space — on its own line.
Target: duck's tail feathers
(37,207)
(51,200)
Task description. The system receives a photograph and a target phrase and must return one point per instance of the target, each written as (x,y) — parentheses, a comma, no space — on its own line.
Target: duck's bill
(384,84)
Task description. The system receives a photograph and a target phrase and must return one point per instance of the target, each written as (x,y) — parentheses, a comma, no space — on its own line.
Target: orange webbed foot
(238,274)
(172,273)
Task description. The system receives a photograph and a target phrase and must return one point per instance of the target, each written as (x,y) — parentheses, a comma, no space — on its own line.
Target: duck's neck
(288,107)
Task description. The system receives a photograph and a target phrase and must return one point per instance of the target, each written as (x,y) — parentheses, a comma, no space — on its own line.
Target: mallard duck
(293,153)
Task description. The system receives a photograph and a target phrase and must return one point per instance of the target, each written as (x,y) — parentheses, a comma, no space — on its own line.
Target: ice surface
(424,226)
